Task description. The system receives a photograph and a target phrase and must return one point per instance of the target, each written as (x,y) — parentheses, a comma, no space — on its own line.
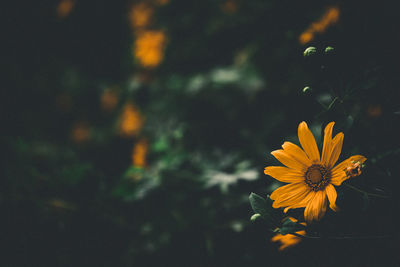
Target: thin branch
(369,194)
(342,237)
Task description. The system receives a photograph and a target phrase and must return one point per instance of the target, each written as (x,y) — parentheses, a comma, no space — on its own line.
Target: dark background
(227,92)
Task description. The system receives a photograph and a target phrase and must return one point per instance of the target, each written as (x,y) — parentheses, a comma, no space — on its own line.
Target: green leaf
(289,227)
(262,206)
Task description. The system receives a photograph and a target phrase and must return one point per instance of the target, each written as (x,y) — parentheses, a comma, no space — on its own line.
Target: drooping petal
(286,189)
(297,153)
(291,198)
(303,203)
(337,144)
(316,208)
(308,143)
(332,195)
(338,177)
(284,174)
(287,160)
(338,172)
(326,149)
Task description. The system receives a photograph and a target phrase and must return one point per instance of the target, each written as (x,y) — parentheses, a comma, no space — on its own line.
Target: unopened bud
(310,51)
(255,217)
(329,50)
(354,169)
(306,90)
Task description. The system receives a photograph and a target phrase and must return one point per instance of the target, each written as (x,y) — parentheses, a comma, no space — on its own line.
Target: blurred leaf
(289,227)
(262,206)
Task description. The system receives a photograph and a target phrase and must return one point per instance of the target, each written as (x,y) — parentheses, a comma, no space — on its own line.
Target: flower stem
(342,237)
(369,194)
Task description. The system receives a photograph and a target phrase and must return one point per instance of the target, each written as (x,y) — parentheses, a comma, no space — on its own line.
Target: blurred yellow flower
(330,17)
(131,121)
(139,153)
(149,48)
(108,100)
(311,177)
(288,240)
(140,15)
(64,8)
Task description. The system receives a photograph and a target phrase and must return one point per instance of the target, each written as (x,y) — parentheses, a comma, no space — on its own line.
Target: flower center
(317,177)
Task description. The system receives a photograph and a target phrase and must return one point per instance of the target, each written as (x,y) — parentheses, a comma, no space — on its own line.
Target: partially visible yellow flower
(330,17)
(139,153)
(289,240)
(311,177)
(149,48)
(131,121)
(64,8)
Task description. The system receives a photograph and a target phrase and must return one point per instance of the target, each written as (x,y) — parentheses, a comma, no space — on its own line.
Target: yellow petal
(337,144)
(326,149)
(291,198)
(297,153)
(284,174)
(287,160)
(308,143)
(303,203)
(285,189)
(332,195)
(316,208)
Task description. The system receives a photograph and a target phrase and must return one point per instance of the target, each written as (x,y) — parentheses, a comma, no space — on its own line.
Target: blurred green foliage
(228,91)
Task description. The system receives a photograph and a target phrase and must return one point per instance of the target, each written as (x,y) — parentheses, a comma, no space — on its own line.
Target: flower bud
(310,51)
(329,50)
(354,169)
(255,217)
(307,90)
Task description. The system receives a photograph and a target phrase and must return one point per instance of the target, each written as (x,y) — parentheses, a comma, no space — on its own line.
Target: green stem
(362,191)
(342,237)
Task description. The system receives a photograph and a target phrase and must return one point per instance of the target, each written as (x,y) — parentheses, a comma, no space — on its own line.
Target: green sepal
(289,227)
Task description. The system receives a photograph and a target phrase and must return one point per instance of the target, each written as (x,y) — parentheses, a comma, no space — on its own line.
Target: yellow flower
(311,177)
(288,240)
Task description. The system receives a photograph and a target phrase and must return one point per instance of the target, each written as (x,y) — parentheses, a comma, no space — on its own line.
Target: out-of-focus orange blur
(108,100)
(229,6)
(64,8)
(330,17)
(374,111)
(80,132)
(131,121)
(140,15)
(149,48)
(139,153)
